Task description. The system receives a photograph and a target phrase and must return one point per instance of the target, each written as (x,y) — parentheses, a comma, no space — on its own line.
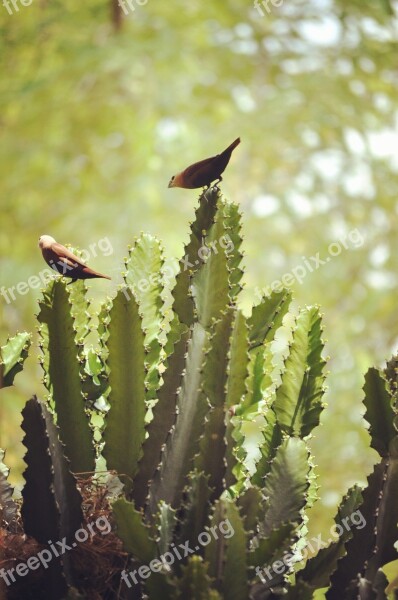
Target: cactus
(8,507)
(12,357)
(163,392)
(374,545)
(63,363)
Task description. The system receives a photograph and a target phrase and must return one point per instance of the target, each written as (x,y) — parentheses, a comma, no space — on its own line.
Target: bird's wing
(63,252)
(192,169)
(222,159)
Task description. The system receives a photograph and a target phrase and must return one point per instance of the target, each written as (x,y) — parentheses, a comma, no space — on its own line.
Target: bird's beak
(170,183)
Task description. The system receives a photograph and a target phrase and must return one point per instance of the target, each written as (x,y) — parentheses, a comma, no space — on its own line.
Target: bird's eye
(172,179)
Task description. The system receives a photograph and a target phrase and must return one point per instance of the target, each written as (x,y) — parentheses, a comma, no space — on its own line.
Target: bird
(64,261)
(202,173)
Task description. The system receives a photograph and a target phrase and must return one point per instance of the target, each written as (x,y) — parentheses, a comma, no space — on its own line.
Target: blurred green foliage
(95,119)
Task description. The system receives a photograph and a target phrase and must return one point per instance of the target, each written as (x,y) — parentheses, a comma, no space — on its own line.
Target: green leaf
(372,543)
(272,547)
(8,507)
(80,309)
(286,485)
(12,357)
(176,330)
(164,416)
(40,513)
(63,378)
(59,486)
(195,508)
(301,591)
(298,402)
(238,361)
(380,585)
(232,242)
(235,576)
(215,370)
(125,423)
(259,368)
(391,571)
(158,585)
(237,388)
(251,503)
(183,304)
(67,496)
(210,459)
(144,275)
(183,441)
(318,569)
(195,582)
(379,411)
(385,549)
(167,521)
(233,463)
(226,551)
(133,532)
(259,384)
(313,487)
(267,317)
(210,285)
(46,512)
(272,439)
(95,380)
(391,375)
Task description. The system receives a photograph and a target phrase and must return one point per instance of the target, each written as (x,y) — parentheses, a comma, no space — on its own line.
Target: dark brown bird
(202,173)
(64,261)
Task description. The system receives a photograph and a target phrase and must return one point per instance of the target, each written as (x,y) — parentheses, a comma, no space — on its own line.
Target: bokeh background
(100,108)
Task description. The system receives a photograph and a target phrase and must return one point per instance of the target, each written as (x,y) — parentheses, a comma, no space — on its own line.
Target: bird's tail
(91,274)
(101,275)
(233,145)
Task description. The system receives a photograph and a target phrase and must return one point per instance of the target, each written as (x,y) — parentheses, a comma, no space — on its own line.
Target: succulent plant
(163,384)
